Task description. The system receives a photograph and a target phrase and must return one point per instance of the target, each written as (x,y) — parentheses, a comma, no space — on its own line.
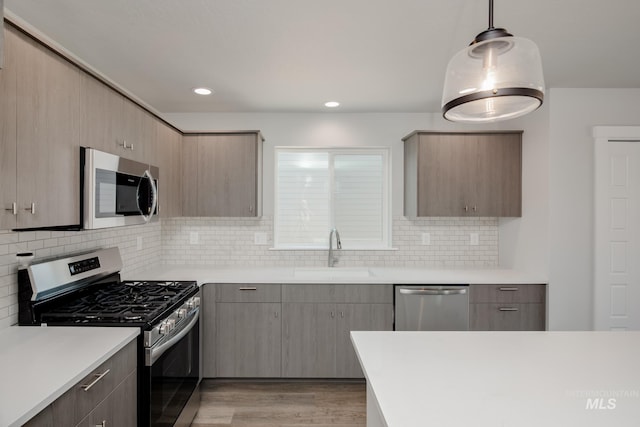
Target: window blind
(317,190)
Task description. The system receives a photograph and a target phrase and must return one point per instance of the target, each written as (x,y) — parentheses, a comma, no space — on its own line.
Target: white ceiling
(293,55)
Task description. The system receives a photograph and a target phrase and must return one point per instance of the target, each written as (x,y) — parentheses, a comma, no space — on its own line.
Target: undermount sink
(331,272)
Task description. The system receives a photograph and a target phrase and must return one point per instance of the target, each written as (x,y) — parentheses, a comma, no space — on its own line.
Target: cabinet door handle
(102,424)
(13,209)
(131,146)
(475,208)
(276,314)
(508,308)
(342,314)
(32,208)
(124,144)
(466,208)
(333,315)
(251,208)
(248,288)
(508,289)
(98,377)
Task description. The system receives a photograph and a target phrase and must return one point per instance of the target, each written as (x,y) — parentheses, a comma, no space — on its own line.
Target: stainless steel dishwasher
(432,308)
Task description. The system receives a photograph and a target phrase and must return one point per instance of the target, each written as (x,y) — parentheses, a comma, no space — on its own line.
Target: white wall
(573,114)
(523,241)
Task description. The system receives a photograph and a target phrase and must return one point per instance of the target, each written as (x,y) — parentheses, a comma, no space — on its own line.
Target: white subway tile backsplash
(230,242)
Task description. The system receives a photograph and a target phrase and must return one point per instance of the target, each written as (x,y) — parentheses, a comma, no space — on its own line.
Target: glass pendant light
(497,77)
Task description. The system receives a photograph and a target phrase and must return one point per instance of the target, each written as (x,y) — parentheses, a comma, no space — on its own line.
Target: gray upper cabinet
(8,145)
(463,174)
(47,134)
(222,174)
(49,108)
(101,116)
(169,159)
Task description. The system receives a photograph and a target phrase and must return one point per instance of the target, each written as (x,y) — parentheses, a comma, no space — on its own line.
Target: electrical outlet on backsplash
(232,242)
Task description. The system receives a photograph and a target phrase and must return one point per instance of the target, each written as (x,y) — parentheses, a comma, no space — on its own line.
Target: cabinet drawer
(76,403)
(352,293)
(233,292)
(507,294)
(506,317)
(366,294)
(310,293)
(118,409)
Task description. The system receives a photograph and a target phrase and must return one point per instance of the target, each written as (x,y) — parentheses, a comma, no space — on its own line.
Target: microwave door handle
(154,198)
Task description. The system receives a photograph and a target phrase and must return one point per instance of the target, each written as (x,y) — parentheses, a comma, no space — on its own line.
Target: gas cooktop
(121,302)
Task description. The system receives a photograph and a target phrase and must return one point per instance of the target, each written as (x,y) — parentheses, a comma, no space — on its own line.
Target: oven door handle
(154,353)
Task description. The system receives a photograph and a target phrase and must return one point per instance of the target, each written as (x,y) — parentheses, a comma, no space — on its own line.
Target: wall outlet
(139,243)
(426,238)
(193,238)
(474,239)
(260,238)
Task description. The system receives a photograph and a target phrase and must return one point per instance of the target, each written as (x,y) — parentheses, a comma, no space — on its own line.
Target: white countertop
(373,275)
(522,379)
(39,364)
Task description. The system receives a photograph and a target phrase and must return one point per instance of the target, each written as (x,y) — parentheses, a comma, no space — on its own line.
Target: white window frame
(385,243)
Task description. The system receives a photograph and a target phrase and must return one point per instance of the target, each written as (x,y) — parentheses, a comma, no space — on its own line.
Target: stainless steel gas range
(86,290)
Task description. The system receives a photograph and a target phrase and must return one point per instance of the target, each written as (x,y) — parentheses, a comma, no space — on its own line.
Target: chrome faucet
(333,259)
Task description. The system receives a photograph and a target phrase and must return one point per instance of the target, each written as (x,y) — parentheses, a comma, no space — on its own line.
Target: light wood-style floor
(290,404)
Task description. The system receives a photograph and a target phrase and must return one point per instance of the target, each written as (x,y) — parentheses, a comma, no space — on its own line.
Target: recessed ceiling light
(332,104)
(203,91)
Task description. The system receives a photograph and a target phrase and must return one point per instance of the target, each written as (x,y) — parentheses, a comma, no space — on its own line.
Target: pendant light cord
(490,14)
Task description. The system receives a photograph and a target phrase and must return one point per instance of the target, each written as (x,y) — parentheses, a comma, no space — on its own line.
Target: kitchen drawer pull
(508,289)
(97,378)
(248,288)
(508,309)
(405,291)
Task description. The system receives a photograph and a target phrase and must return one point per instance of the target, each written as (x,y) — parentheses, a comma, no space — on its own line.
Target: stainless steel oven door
(172,374)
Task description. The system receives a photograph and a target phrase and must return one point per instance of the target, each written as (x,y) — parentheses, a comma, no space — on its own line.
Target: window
(318,189)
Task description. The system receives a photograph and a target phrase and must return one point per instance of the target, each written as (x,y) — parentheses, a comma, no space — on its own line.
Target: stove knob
(171,323)
(193,302)
(182,313)
(164,328)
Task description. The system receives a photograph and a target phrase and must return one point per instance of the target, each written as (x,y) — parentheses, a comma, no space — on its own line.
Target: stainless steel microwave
(117,191)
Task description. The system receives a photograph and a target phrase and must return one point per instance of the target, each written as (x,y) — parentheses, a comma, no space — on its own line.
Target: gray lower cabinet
(248,339)
(309,340)
(357,317)
(107,396)
(289,331)
(507,307)
(317,321)
(248,331)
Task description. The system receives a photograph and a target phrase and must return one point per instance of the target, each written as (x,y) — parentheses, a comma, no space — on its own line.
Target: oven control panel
(84,265)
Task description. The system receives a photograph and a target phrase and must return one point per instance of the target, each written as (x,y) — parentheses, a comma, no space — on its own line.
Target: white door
(617,229)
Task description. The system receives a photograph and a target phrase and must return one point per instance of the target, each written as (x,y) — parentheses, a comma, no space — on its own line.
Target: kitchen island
(500,378)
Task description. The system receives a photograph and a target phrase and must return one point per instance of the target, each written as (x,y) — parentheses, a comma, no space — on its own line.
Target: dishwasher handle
(423,291)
